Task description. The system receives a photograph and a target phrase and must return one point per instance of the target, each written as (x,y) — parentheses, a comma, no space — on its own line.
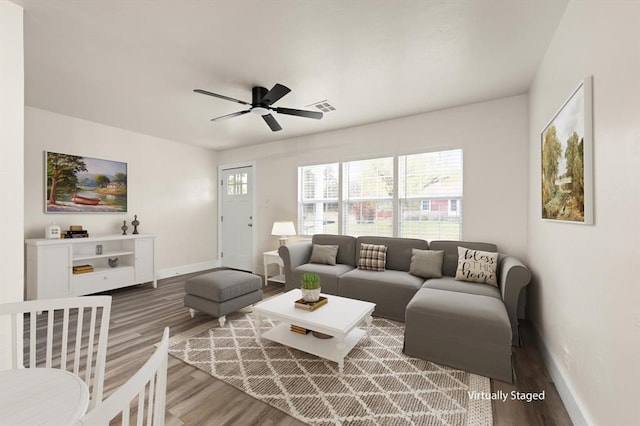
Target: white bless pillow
(477,266)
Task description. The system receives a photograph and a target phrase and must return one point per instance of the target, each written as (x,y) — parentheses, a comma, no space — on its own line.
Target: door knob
(250,225)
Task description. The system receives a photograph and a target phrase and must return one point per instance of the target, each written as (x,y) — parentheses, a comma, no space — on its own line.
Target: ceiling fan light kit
(261,104)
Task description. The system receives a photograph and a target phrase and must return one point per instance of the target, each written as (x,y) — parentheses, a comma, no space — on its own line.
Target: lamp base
(283,241)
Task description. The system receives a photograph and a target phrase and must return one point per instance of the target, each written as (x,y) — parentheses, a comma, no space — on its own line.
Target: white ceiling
(134,63)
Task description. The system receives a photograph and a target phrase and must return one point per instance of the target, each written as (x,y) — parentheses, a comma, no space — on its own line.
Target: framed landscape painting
(75,184)
(567,160)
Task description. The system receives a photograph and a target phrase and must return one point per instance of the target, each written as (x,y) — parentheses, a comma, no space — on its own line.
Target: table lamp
(283,229)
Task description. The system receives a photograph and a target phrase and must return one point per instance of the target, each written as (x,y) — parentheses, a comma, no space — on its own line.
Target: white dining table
(41,396)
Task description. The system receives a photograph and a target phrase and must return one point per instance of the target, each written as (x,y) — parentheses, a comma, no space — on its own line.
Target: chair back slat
(33,319)
(152,375)
(92,328)
(50,323)
(53,330)
(140,420)
(65,338)
(76,359)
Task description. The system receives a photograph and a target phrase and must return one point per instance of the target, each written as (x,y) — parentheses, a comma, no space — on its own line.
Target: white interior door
(236,219)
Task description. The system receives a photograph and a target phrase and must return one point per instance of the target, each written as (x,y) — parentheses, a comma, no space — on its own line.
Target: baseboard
(573,405)
(187,269)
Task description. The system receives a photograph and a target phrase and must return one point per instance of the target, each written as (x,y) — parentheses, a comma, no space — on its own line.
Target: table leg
(266,274)
(340,348)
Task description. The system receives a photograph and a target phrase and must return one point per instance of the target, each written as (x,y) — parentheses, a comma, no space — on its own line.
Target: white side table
(270,257)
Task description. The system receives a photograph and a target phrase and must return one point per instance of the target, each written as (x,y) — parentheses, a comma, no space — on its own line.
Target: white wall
(171,187)
(585,300)
(492,134)
(11,164)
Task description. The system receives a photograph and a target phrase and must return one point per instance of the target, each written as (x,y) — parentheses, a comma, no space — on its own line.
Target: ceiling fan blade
(226,117)
(271,122)
(299,112)
(215,95)
(273,95)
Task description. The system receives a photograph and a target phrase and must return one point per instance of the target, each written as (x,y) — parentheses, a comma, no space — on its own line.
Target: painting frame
(83,184)
(566,140)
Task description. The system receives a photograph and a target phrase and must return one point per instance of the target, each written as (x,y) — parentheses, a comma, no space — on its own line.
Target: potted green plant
(310,287)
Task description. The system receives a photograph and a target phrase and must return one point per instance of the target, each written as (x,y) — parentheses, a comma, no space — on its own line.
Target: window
(318,199)
(368,197)
(421,199)
(237,184)
(430,190)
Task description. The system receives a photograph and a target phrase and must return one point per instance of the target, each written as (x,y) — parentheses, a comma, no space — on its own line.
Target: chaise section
(461,330)
(451,284)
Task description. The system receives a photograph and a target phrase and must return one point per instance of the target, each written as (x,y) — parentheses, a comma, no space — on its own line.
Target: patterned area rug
(380,385)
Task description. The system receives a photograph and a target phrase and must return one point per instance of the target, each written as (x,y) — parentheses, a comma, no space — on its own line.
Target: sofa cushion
(451,284)
(324,254)
(426,263)
(390,290)
(346,246)
(477,266)
(373,257)
(398,250)
(450,263)
(328,275)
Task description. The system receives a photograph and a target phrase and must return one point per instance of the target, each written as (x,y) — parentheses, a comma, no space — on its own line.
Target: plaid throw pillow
(372,257)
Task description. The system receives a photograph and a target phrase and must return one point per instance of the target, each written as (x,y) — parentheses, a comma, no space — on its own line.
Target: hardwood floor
(139,315)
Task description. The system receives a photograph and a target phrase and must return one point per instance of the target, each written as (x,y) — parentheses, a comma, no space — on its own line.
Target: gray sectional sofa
(465,325)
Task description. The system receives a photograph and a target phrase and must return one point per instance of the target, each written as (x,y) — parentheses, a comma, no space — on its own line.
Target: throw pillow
(373,257)
(426,263)
(477,266)
(324,254)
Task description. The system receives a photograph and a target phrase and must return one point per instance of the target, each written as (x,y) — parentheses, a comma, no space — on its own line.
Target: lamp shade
(283,228)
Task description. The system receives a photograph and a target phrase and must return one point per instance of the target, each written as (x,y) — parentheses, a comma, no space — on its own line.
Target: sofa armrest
(514,276)
(294,255)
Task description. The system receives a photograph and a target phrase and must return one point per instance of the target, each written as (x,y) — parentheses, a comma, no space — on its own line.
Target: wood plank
(140,313)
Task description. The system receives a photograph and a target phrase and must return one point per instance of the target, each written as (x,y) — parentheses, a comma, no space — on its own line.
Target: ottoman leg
(192,312)
(222,320)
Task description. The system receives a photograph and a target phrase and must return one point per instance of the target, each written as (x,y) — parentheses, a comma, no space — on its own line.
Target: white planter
(311,295)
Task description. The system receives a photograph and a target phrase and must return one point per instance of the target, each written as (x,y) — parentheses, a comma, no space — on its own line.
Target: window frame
(395,199)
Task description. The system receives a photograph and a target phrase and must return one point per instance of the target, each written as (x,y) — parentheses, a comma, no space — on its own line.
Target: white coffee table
(340,318)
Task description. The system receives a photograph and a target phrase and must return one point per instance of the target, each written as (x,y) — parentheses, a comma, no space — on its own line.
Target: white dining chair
(42,335)
(143,395)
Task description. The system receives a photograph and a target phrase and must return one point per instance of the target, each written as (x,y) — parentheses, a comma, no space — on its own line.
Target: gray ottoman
(462,330)
(222,292)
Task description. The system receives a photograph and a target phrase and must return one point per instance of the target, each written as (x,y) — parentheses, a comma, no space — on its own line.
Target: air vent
(323,106)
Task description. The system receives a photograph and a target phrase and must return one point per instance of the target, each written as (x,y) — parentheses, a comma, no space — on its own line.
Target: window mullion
(395,204)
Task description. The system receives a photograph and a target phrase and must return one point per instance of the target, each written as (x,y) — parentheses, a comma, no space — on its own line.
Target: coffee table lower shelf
(332,349)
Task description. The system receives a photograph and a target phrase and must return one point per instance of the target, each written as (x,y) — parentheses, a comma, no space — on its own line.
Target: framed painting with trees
(76,184)
(567,160)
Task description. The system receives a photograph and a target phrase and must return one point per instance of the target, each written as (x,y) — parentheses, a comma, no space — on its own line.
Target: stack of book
(310,306)
(76,234)
(82,269)
(299,330)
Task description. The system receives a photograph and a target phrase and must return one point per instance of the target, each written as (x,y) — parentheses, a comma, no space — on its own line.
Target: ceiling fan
(261,104)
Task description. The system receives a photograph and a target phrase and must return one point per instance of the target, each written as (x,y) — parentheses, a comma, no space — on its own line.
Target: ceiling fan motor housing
(257,106)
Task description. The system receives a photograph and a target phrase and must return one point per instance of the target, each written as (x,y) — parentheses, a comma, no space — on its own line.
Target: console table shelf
(50,264)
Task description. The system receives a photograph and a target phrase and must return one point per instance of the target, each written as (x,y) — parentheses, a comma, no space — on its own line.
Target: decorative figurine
(113,262)
(135,224)
(124,227)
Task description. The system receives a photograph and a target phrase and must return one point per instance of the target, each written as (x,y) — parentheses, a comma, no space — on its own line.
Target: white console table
(270,257)
(50,264)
